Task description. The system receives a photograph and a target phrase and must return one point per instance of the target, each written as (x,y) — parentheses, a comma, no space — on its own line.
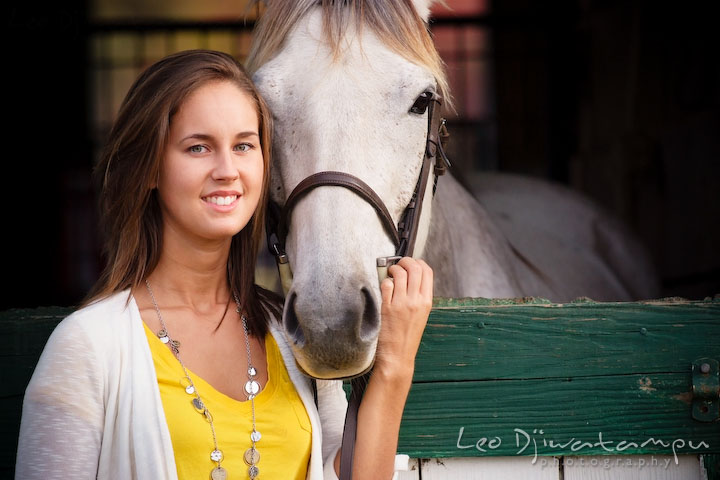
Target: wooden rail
(511,378)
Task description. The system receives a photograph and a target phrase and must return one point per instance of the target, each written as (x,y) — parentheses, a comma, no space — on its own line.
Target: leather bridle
(403,235)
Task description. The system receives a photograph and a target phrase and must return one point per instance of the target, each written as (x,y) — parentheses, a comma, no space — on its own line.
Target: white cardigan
(93,407)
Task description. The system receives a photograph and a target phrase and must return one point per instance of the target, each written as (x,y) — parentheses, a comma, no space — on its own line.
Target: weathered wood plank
(413,473)
(555,341)
(577,370)
(491,366)
(9,428)
(602,467)
(632,467)
(606,467)
(711,465)
(495,468)
(618,414)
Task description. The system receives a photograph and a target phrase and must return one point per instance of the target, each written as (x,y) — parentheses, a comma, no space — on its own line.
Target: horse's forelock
(395,22)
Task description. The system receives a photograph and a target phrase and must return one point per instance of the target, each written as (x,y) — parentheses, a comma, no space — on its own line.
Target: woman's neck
(192,275)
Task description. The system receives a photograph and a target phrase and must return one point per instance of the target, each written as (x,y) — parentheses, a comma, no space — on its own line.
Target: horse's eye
(421,103)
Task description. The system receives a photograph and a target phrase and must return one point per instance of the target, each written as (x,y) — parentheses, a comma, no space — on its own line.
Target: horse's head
(341,85)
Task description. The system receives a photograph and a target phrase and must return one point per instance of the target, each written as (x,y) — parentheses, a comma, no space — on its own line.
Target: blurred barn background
(619,99)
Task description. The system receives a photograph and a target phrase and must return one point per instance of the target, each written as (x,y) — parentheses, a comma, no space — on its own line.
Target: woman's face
(212,173)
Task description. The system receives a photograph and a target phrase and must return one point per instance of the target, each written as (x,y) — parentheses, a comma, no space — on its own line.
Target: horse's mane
(395,22)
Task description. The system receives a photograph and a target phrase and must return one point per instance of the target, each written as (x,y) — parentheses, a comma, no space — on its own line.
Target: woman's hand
(406,303)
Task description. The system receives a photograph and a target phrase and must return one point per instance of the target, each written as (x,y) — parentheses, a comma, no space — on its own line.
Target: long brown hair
(129,167)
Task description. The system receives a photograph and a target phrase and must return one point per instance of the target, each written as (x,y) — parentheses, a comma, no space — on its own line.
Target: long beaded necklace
(252,388)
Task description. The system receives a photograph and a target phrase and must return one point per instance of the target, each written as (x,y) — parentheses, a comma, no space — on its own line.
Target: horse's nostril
(291,324)
(370,321)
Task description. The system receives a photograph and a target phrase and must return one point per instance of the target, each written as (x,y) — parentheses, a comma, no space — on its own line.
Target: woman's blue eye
(244,147)
(197,149)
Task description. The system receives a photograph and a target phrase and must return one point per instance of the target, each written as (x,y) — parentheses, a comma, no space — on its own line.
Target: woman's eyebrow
(198,136)
(205,136)
(249,133)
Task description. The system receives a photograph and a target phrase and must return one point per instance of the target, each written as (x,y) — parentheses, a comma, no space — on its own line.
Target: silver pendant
(216,455)
(252,456)
(252,387)
(189,389)
(253,472)
(218,473)
(255,436)
(252,372)
(198,404)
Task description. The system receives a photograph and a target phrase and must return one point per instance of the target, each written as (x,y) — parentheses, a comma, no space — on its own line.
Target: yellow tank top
(280,417)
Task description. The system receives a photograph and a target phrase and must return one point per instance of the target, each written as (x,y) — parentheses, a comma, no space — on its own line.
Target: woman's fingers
(414,275)
(411,277)
(386,290)
(399,279)
(426,288)
(406,304)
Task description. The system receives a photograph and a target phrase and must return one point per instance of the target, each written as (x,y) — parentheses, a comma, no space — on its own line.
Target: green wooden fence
(515,377)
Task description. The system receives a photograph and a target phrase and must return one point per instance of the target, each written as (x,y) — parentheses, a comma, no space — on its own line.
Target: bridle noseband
(403,236)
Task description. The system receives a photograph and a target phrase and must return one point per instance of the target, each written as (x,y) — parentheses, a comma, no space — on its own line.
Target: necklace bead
(218,473)
(252,456)
(253,472)
(252,387)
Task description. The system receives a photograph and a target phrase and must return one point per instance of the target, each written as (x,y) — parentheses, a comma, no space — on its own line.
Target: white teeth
(221,200)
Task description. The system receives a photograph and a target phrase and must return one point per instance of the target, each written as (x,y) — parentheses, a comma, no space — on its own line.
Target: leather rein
(403,236)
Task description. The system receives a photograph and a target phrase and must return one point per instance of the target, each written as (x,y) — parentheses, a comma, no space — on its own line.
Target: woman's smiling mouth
(221,200)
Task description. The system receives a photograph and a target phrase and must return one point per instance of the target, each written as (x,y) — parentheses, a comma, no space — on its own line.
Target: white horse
(340,78)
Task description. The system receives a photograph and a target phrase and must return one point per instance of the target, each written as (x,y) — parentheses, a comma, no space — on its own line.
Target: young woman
(175,367)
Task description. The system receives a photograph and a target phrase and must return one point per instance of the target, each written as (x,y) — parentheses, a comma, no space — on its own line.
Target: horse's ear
(423,8)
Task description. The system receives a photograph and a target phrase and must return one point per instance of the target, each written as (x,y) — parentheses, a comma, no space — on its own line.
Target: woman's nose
(225,168)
